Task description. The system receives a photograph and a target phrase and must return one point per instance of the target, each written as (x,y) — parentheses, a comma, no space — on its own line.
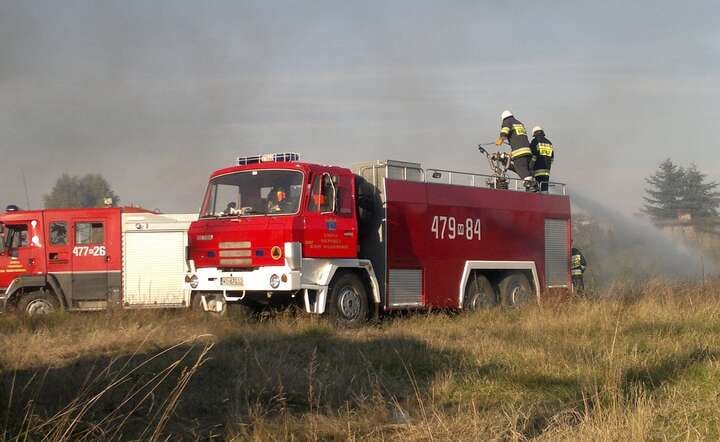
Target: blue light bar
(282,157)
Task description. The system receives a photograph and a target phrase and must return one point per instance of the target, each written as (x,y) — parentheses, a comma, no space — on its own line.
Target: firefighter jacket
(515,132)
(543,154)
(578,263)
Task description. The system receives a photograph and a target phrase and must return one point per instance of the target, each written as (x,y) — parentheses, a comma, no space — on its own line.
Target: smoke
(631,249)
(156,95)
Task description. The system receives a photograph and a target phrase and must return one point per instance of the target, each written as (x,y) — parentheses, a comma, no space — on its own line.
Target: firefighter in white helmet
(543,155)
(514,132)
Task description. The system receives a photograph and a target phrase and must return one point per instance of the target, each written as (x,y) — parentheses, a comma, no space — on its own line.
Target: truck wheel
(348,301)
(214,303)
(37,303)
(479,294)
(515,290)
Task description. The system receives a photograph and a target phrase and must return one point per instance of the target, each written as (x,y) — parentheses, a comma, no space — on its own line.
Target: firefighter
(514,132)
(277,199)
(543,154)
(578,266)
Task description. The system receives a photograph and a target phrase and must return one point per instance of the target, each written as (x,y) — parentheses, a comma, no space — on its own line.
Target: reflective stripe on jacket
(578,264)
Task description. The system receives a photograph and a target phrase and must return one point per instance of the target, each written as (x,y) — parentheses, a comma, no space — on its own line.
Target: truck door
(19,256)
(331,230)
(89,260)
(58,250)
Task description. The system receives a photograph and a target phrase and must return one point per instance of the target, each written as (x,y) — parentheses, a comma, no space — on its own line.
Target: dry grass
(639,366)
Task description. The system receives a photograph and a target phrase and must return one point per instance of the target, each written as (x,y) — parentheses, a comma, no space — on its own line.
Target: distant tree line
(674,190)
(70,191)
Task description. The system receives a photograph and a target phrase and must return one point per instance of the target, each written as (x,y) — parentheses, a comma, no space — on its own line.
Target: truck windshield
(254,192)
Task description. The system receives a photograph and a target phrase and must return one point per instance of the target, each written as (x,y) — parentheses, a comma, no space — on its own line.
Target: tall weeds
(638,362)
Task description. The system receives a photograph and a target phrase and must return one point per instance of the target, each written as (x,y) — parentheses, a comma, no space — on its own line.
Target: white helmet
(537,129)
(506,114)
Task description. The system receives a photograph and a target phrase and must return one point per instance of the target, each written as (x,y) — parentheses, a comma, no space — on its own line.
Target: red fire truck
(92,259)
(386,235)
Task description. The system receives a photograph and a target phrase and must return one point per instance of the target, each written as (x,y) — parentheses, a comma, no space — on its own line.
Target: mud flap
(318,306)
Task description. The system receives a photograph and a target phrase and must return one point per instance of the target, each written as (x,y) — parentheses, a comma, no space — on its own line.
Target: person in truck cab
(277,200)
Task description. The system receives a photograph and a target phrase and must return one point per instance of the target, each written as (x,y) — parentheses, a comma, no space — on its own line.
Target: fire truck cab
(92,259)
(386,235)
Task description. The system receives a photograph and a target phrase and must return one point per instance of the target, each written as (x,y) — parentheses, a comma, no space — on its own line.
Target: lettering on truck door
(330,232)
(89,260)
(20,251)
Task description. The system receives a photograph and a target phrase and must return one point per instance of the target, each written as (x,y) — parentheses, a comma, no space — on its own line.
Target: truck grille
(235,245)
(235,254)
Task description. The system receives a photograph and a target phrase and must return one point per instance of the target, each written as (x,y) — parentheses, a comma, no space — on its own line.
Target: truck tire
(479,294)
(37,303)
(215,303)
(348,301)
(515,290)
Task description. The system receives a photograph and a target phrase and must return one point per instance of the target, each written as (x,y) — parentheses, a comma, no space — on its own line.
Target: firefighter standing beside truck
(543,155)
(514,132)
(578,266)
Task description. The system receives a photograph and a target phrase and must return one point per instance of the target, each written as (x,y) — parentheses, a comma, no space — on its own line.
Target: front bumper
(212,279)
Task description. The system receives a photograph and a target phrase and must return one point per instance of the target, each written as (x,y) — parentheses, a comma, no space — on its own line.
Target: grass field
(643,365)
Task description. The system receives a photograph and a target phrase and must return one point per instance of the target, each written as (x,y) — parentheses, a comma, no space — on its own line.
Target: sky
(156,95)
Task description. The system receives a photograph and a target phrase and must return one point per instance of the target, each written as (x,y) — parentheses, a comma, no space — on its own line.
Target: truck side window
(322,194)
(58,233)
(89,233)
(345,200)
(17,236)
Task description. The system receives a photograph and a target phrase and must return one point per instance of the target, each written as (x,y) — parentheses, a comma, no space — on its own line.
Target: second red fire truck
(92,259)
(386,235)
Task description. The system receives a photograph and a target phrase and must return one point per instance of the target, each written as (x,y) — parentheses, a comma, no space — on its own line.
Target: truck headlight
(274,281)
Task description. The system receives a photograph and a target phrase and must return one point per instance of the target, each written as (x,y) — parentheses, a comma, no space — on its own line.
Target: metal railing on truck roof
(401,170)
(488,181)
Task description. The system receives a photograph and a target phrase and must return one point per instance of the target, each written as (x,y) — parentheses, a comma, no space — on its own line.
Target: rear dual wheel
(515,290)
(479,294)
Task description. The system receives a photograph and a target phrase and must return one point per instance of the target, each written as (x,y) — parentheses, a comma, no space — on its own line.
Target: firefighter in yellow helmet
(543,155)
(514,132)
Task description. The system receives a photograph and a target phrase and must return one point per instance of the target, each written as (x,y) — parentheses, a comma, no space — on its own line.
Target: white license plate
(231,280)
